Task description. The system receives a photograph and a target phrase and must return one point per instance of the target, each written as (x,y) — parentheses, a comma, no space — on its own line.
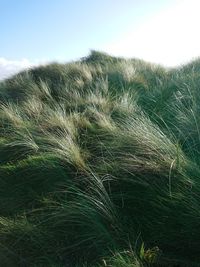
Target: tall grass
(97,157)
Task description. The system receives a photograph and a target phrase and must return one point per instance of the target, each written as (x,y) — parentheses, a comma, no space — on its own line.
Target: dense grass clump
(100,165)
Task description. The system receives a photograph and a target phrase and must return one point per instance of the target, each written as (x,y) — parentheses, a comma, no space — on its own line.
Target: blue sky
(35,31)
(66,29)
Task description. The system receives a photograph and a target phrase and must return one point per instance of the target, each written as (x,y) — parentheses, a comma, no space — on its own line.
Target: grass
(99,165)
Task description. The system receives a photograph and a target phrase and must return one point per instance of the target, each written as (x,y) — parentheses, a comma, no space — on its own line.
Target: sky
(36,32)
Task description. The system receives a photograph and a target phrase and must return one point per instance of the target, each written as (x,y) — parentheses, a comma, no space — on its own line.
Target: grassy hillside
(100,165)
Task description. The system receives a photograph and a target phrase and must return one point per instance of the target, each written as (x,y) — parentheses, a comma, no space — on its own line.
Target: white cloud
(171,37)
(10,67)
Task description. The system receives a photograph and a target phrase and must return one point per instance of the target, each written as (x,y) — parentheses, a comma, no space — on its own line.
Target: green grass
(100,165)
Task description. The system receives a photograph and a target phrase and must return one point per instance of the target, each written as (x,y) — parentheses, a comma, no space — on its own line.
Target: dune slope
(99,165)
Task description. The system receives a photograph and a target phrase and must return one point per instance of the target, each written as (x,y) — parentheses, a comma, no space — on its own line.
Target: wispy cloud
(10,67)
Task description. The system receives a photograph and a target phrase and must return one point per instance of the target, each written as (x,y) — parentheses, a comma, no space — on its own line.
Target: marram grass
(99,165)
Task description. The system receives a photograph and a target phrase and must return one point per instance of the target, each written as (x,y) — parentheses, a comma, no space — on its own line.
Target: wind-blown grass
(99,165)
